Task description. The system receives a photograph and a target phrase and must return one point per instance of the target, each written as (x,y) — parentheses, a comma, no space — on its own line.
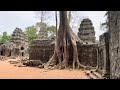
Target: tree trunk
(42,16)
(65,40)
(56,21)
(69,18)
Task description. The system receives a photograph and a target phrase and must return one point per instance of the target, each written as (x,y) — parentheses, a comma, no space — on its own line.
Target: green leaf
(4,38)
(31,33)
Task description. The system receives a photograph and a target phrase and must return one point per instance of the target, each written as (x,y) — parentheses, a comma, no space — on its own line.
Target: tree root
(51,62)
(86,67)
(65,38)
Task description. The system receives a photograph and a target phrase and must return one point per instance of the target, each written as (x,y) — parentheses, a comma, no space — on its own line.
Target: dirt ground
(9,71)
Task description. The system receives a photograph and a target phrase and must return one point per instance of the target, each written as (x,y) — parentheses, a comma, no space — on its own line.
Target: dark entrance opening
(2,53)
(22,48)
(22,53)
(9,53)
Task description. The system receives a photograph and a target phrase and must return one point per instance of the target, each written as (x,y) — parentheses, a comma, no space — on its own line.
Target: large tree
(51,30)
(65,40)
(0,37)
(41,24)
(4,38)
(105,25)
(31,33)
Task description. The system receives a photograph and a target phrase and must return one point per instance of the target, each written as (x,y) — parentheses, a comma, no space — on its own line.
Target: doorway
(22,48)
(9,54)
(22,53)
(2,53)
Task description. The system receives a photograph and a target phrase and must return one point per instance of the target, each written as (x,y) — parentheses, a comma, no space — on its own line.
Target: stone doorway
(2,53)
(22,48)
(9,54)
(22,53)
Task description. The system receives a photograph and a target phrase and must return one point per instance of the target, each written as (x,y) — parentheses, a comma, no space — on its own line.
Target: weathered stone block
(103,55)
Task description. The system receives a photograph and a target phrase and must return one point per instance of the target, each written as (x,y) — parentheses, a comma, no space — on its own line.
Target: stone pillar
(104,61)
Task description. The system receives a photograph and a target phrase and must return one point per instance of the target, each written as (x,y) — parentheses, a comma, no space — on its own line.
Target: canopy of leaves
(51,29)
(4,38)
(0,37)
(41,24)
(31,33)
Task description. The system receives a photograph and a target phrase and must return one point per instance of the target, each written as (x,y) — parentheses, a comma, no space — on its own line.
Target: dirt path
(9,71)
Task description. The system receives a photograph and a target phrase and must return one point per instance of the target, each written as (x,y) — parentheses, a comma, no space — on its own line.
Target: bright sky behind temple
(9,20)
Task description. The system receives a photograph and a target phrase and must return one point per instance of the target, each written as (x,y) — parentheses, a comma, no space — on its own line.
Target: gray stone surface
(86,31)
(103,55)
(43,34)
(109,49)
(87,54)
(17,46)
(43,50)
(114,29)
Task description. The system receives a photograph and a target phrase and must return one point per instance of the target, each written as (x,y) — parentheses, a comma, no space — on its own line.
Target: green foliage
(41,24)
(51,30)
(31,33)
(0,37)
(4,38)
(104,25)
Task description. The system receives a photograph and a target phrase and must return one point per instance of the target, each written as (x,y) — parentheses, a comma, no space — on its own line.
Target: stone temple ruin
(43,48)
(104,55)
(42,33)
(86,31)
(109,52)
(17,45)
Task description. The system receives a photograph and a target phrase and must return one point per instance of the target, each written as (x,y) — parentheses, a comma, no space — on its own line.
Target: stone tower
(43,34)
(19,39)
(86,31)
(41,48)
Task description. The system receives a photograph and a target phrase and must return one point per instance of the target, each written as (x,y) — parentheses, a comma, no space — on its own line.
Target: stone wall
(103,55)
(39,51)
(114,29)
(88,54)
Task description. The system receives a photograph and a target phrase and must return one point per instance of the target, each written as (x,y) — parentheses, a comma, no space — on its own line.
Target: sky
(9,20)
